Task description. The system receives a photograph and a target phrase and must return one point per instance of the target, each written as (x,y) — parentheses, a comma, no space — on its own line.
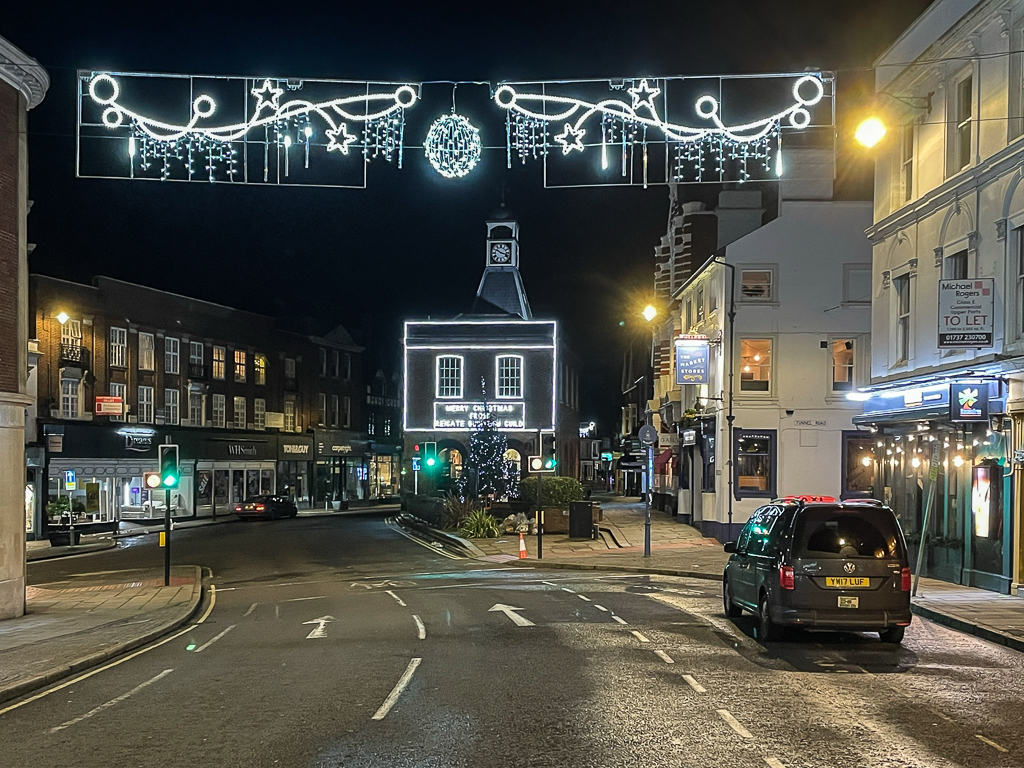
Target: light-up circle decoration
(453,146)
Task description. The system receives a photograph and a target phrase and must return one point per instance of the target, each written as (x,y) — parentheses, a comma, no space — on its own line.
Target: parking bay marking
(694,684)
(991,743)
(111,703)
(639,636)
(734,723)
(774,762)
(251,609)
(664,657)
(389,702)
(401,602)
(214,639)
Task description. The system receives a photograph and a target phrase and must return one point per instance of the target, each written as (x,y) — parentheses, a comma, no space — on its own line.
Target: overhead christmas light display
(257,148)
(267,130)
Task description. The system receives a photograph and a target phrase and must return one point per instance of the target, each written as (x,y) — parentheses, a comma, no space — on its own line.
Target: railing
(74,353)
(197,371)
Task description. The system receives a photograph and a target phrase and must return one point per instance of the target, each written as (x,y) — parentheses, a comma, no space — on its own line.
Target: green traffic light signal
(169,472)
(431,461)
(550,462)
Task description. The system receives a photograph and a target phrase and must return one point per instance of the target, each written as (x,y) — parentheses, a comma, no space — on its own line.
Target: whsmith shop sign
(966,310)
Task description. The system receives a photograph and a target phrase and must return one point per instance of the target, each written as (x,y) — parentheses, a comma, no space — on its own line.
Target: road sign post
(648,436)
(169,474)
(933,476)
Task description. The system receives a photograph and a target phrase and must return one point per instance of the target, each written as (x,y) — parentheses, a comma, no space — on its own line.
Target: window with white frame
(147,348)
(219,356)
(387,425)
(510,376)
(756,365)
(172,350)
(901,293)
(195,353)
(196,417)
(71,333)
(907,162)
(963,114)
(321,403)
(842,365)
(121,391)
(240,366)
(119,347)
(856,283)
(757,284)
(171,406)
(289,368)
(956,266)
(219,407)
(259,363)
(259,413)
(449,376)
(238,412)
(1019,238)
(346,411)
(69,398)
(335,410)
(145,405)
(289,415)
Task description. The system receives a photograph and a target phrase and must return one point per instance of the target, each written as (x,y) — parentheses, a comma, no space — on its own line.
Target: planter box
(556,520)
(63,538)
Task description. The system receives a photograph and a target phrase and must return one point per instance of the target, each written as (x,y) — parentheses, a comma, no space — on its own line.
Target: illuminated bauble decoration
(453,146)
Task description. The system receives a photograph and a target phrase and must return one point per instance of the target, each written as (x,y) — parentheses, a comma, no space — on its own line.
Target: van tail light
(259,507)
(238,507)
(905,579)
(787,579)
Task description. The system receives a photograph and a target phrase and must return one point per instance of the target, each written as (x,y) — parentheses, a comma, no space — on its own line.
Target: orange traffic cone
(523,554)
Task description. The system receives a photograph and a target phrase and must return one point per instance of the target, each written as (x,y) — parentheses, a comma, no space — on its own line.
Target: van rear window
(831,532)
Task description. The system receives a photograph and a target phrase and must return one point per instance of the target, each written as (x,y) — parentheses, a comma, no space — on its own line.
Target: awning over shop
(661,462)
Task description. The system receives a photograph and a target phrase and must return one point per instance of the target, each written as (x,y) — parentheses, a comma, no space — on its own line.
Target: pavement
(678,549)
(81,622)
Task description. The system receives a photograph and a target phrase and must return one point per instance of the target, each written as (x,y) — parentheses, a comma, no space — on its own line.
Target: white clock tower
(501,287)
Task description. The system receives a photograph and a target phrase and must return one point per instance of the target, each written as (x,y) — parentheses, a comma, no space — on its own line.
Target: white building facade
(949,221)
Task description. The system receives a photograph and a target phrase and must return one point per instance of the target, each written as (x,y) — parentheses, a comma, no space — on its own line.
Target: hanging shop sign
(311,132)
(966,313)
(689,437)
(449,415)
(668,440)
(693,360)
(968,402)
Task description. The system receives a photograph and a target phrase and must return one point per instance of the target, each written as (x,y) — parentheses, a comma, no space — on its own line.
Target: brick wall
(10,142)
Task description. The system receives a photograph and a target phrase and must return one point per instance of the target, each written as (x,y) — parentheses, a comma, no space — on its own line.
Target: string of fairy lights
(282,126)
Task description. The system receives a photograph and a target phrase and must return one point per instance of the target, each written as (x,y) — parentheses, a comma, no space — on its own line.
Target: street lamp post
(649,314)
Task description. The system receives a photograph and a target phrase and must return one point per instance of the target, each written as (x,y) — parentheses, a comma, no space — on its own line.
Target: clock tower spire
(501,287)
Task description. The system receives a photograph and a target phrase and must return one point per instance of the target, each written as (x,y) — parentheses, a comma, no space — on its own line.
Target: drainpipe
(729,417)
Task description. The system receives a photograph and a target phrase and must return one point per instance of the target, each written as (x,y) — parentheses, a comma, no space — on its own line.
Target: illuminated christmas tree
(488,473)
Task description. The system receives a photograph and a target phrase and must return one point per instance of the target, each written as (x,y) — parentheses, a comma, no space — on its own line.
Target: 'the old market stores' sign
(692,360)
(965,313)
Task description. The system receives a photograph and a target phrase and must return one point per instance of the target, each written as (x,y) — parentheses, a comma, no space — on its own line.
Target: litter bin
(581,520)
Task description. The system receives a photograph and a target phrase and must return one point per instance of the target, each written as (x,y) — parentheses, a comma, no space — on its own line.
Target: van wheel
(732,610)
(892,635)
(767,630)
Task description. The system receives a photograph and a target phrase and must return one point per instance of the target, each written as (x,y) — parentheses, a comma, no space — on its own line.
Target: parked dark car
(266,507)
(810,561)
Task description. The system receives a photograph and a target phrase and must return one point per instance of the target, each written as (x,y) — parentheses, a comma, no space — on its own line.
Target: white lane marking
(639,636)
(111,703)
(400,601)
(549,583)
(991,743)
(420,629)
(600,608)
(734,723)
(566,589)
(510,611)
(389,702)
(277,611)
(213,640)
(320,630)
(619,619)
(774,762)
(694,684)
(665,657)
(251,609)
(300,599)
(147,649)
(583,597)
(435,550)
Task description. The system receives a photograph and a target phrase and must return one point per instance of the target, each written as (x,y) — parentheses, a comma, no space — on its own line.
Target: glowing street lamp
(649,312)
(870,132)
(63,317)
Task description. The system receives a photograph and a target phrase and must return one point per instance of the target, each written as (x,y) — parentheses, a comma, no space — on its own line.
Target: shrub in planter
(480,525)
(555,491)
(457,510)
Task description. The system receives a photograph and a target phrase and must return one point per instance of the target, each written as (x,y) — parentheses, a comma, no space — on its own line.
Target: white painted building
(949,204)
(798,344)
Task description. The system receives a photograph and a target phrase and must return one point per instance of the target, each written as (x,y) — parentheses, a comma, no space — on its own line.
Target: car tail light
(905,579)
(259,507)
(787,579)
(238,507)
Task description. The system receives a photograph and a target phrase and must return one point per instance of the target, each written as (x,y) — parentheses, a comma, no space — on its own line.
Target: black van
(813,562)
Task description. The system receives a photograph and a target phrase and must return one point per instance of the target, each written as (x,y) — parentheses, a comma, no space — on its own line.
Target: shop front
(385,467)
(229,467)
(341,473)
(938,456)
(294,466)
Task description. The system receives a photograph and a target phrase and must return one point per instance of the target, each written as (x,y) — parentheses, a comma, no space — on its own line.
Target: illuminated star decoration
(342,133)
(643,95)
(577,139)
(262,93)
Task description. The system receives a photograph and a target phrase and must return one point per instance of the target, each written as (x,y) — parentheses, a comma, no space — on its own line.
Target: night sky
(412,243)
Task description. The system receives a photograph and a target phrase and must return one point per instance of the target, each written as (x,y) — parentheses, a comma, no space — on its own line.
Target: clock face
(501,253)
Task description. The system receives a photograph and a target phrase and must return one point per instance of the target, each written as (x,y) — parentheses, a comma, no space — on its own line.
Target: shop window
(118,347)
(755,365)
(145,405)
(147,352)
(758,284)
(69,398)
(259,413)
(240,366)
(219,355)
(219,408)
(858,476)
(510,376)
(449,376)
(842,365)
(221,487)
(755,462)
(172,350)
(259,363)
(238,412)
(237,486)
(266,481)
(204,487)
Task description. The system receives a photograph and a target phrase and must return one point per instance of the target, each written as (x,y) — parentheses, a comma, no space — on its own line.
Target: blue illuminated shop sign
(692,360)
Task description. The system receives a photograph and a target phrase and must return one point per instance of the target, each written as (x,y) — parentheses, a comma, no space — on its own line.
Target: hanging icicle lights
(539,123)
(273,126)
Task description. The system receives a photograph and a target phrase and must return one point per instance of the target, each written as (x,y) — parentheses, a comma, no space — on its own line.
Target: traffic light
(547,452)
(430,455)
(169,472)
(151,480)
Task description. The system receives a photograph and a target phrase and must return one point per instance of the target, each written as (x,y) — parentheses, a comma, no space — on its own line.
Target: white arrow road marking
(110,703)
(734,723)
(389,702)
(214,639)
(400,601)
(420,629)
(508,610)
(321,626)
(694,684)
